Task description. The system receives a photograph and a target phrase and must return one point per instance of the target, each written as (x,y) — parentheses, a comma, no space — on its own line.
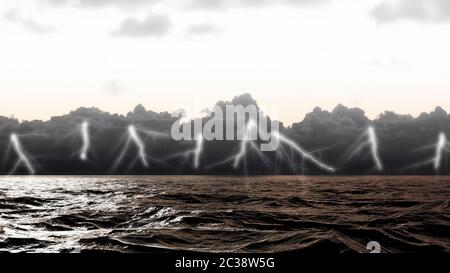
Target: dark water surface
(223,214)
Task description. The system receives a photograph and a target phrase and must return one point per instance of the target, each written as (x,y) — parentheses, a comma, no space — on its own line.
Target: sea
(225,214)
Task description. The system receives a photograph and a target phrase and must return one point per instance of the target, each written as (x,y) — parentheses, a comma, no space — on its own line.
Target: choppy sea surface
(254,214)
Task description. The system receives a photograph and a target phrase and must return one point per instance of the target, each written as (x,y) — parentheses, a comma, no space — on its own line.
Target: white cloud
(226,4)
(114,87)
(416,10)
(203,28)
(29,24)
(101,3)
(153,25)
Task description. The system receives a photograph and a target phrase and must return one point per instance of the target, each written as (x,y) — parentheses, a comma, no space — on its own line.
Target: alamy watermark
(230,122)
(373,247)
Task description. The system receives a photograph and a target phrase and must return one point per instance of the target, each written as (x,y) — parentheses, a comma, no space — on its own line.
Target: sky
(293,55)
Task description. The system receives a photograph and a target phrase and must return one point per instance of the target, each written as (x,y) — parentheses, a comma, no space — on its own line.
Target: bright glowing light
(440,149)
(283,140)
(245,140)
(151,133)
(198,150)
(22,157)
(303,153)
(372,143)
(134,137)
(84,128)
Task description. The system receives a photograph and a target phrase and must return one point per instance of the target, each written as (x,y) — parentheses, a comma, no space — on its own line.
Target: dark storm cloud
(406,144)
(415,10)
(404,141)
(153,25)
(29,24)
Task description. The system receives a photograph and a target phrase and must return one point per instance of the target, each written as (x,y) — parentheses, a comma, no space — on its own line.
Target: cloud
(153,25)
(306,2)
(29,24)
(192,4)
(405,143)
(202,29)
(254,3)
(101,3)
(209,4)
(414,10)
(226,4)
(113,88)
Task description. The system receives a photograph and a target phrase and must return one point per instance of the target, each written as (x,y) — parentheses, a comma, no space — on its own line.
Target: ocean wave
(220,214)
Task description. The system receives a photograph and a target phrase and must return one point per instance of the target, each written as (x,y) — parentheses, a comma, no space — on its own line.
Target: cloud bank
(413,10)
(28,24)
(127,4)
(406,144)
(154,25)
(202,29)
(227,4)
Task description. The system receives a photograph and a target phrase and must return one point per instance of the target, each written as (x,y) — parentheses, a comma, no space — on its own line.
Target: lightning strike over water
(86,141)
(283,140)
(303,153)
(249,129)
(198,150)
(23,159)
(441,147)
(134,137)
(372,143)
(246,139)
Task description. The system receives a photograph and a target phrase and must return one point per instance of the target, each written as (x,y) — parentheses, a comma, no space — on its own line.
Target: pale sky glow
(369,53)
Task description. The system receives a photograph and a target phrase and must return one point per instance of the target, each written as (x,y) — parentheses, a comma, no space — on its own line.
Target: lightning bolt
(196,152)
(134,137)
(22,156)
(84,128)
(441,147)
(246,139)
(372,143)
(302,152)
(284,140)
